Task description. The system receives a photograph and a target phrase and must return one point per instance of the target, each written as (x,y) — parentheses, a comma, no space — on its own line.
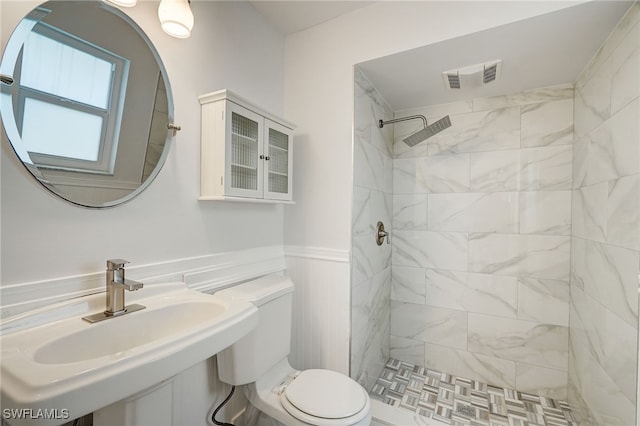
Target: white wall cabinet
(246,152)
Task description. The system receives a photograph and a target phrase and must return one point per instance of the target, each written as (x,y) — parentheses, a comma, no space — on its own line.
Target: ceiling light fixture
(123,3)
(176,17)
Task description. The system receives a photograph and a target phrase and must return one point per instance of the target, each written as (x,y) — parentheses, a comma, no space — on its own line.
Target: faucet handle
(130,285)
(113,264)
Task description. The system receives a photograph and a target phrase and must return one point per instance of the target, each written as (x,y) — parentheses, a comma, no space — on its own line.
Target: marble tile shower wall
(481,241)
(371,264)
(605,234)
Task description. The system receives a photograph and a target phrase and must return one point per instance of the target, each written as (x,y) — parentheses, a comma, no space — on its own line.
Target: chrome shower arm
(396,120)
(425,133)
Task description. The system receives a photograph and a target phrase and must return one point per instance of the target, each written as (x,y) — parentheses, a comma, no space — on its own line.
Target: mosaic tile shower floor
(458,401)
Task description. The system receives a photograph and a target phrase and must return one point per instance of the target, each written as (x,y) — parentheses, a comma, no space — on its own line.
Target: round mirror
(85,102)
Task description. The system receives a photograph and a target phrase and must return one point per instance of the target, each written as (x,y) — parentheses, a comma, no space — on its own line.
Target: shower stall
(514,246)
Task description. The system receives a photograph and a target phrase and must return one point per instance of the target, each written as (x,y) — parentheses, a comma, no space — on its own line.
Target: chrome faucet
(116,285)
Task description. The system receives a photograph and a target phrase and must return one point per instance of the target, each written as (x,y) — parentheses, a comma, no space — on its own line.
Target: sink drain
(466,410)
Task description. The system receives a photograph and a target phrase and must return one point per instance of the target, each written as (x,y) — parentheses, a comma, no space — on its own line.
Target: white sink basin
(70,364)
(116,338)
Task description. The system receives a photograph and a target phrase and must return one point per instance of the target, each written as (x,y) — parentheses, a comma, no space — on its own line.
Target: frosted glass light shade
(123,3)
(176,18)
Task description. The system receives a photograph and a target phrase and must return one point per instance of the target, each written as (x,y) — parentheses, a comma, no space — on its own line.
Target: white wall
(43,237)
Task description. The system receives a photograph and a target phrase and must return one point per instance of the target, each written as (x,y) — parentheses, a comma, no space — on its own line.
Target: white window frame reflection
(110,114)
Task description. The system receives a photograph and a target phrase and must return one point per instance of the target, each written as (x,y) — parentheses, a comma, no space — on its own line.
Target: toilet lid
(326,394)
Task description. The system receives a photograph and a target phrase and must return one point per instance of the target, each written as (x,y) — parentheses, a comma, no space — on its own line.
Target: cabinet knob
(267,158)
(261,157)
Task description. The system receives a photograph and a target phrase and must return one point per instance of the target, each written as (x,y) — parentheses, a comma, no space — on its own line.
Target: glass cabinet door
(278,161)
(245,168)
(246,152)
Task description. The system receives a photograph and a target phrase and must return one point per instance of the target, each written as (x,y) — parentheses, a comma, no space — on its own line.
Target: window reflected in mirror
(64,79)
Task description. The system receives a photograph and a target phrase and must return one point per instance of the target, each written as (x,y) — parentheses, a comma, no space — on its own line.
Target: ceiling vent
(472,76)
(454,81)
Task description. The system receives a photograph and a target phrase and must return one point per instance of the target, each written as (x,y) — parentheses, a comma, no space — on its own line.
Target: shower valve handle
(381,234)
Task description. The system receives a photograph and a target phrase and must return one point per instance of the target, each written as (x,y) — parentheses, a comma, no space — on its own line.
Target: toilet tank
(252,356)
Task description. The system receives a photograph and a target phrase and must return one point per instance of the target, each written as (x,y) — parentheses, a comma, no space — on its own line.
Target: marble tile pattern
(457,400)
(481,246)
(515,237)
(605,232)
(371,283)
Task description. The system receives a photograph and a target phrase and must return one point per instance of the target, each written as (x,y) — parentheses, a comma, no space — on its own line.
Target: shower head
(421,135)
(427,132)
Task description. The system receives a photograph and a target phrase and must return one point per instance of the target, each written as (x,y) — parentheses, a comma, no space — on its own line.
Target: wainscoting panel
(321,315)
(203,273)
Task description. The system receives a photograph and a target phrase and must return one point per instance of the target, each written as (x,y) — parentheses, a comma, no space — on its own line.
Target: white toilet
(259,361)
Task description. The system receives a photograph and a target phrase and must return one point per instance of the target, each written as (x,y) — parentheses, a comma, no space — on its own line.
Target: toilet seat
(324,397)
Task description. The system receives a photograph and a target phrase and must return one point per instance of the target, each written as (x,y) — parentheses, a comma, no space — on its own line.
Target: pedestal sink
(54,371)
